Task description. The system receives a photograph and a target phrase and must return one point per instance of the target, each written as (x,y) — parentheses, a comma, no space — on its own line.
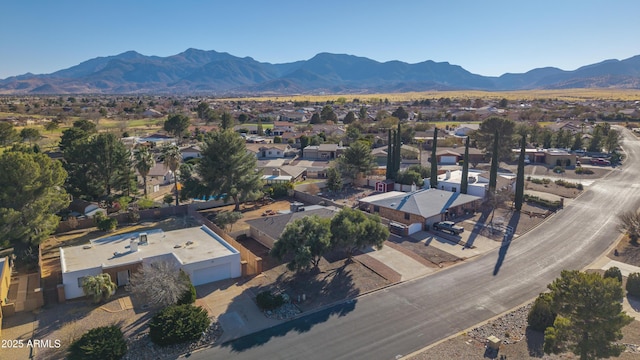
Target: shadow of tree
(320,288)
(535,342)
(299,325)
(506,242)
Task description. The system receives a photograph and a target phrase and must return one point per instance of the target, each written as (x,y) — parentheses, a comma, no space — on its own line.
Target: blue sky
(484,37)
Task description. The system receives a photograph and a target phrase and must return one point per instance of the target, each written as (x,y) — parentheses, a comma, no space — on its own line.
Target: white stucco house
(198,251)
(478,182)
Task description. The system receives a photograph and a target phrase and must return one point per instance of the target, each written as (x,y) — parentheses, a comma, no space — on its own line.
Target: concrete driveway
(480,245)
(404,265)
(231,302)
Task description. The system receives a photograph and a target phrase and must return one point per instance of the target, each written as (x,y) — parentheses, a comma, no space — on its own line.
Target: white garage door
(414,228)
(214,273)
(448,160)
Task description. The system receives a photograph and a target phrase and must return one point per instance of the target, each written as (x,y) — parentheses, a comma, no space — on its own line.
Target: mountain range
(217,73)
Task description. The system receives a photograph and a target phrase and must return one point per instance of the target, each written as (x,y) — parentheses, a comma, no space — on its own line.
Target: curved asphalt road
(404,318)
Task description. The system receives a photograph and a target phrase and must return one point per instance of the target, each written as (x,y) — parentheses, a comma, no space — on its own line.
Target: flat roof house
(198,251)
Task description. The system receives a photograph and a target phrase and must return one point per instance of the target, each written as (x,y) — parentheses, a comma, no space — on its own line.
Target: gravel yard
(518,342)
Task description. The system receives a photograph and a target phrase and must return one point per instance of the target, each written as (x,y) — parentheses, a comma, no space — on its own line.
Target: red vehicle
(599,161)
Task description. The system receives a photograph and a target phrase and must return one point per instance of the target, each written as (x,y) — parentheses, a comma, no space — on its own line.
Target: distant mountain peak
(212,72)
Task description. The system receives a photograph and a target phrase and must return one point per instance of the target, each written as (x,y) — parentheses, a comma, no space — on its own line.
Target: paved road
(407,317)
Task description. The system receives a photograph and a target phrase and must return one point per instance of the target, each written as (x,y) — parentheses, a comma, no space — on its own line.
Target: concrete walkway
(407,267)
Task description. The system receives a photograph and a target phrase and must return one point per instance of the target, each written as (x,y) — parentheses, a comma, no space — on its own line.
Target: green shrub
(189,296)
(613,272)
(558,169)
(280,190)
(581,170)
(541,315)
(124,202)
(178,323)
(267,301)
(633,285)
(145,203)
(553,205)
(105,223)
(544,181)
(568,185)
(102,343)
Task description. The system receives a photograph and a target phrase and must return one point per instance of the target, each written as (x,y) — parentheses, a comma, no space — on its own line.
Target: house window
(453,189)
(376,208)
(407,216)
(269,152)
(81,280)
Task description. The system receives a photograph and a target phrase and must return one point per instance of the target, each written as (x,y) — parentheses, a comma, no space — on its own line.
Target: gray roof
(273,226)
(425,203)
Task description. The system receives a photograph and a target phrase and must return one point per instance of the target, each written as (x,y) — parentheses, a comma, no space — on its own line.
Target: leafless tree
(630,224)
(159,283)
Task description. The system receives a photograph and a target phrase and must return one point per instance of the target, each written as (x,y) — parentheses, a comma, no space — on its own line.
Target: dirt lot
(628,252)
(336,279)
(553,188)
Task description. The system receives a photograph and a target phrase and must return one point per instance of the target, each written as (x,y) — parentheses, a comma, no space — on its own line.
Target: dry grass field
(564,94)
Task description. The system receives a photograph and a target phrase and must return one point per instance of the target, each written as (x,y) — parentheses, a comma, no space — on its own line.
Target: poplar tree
(434,161)
(493,173)
(464,182)
(520,176)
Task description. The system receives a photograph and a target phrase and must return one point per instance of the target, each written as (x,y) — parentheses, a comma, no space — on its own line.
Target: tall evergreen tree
(397,153)
(520,176)
(464,182)
(434,161)
(30,196)
(390,146)
(227,169)
(589,317)
(493,173)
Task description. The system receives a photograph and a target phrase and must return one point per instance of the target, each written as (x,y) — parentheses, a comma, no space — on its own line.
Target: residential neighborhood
(311,202)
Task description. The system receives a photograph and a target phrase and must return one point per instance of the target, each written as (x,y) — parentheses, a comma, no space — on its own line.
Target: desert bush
(558,169)
(544,181)
(633,284)
(267,301)
(613,272)
(581,170)
(178,323)
(145,203)
(567,184)
(102,343)
(541,315)
(553,205)
(105,223)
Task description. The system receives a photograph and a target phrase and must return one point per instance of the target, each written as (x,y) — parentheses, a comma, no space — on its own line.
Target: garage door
(214,273)
(414,228)
(451,160)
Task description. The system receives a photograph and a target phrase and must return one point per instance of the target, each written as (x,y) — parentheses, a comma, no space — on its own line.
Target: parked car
(600,161)
(448,226)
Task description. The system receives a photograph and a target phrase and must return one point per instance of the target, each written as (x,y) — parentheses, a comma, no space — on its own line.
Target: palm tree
(99,286)
(144,162)
(172,159)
